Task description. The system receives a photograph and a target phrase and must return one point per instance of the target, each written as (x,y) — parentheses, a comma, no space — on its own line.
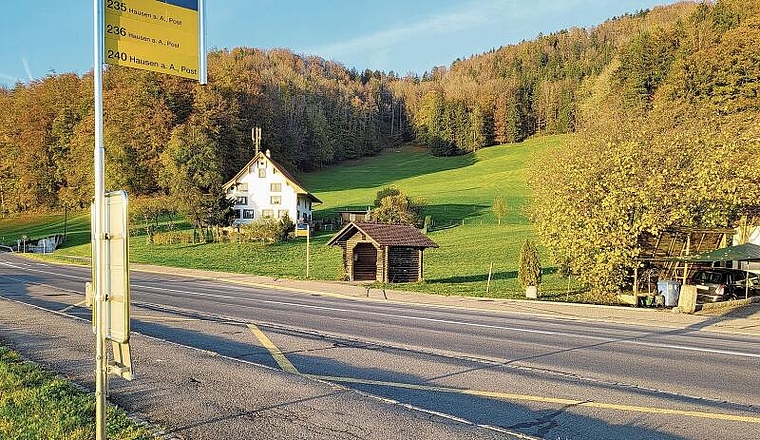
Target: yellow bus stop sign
(157,35)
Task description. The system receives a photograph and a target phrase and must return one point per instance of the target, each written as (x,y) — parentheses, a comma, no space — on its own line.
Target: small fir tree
(529,273)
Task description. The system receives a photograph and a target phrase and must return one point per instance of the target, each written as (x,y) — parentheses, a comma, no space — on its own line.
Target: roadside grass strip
(285,364)
(35,404)
(280,358)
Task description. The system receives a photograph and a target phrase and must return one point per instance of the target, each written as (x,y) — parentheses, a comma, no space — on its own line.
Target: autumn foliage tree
(685,158)
(313,113)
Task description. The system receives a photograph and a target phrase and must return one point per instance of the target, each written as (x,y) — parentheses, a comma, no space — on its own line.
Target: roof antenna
(256,137)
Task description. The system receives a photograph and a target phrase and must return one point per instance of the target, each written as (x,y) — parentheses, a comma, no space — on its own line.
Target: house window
(238,213)
(275,187)
(267,213)
(248,214)
(262,173)
(282,213)
(275,200)
(243,187)
(241,200)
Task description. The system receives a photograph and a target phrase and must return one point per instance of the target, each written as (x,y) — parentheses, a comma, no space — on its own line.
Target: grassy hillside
(458,191)
(36,226)
(454,188)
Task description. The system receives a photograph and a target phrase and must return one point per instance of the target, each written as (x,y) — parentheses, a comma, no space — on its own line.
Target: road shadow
(741,312)
(480,410)
(16,287)
(552,422)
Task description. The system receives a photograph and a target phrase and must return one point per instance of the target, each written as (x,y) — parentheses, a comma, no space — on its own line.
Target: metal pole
(635,286)
(308,253)
(203,74)
(97,226)
(488,284)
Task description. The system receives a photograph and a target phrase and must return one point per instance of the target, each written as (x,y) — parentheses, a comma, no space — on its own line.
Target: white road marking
(460,323)
(73,277)
(435,320)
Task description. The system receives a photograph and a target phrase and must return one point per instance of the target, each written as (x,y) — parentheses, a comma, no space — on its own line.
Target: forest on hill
(166,134)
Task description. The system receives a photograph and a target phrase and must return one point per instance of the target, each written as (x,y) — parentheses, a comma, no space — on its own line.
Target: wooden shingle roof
(385,235)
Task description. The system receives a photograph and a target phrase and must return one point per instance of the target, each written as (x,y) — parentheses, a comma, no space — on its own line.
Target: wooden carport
(381,252)
(662,256)
(664,250)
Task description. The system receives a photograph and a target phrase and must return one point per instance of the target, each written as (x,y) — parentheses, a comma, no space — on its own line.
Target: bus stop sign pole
(192,63)
(97,223)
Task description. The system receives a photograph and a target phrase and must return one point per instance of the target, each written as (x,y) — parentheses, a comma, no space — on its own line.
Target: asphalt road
(545,377)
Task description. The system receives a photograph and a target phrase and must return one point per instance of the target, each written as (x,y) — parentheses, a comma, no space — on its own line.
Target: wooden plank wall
(404,265)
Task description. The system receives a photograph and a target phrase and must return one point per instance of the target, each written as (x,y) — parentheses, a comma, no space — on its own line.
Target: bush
(267,229)
(385,192)
(529,272)
(395,207)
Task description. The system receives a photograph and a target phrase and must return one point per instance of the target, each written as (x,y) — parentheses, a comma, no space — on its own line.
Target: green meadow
(35,404)
(458,194)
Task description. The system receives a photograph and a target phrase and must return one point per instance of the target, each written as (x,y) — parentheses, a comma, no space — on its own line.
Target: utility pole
(308,248)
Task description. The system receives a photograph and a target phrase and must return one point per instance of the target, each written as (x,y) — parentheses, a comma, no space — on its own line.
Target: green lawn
(35,404)
(35,226)
(458,192)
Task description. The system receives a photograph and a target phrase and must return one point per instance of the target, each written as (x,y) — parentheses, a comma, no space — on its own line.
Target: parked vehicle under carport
(721,284)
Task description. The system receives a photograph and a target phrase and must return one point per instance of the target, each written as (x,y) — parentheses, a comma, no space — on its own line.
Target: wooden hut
(380,252)
(353,215)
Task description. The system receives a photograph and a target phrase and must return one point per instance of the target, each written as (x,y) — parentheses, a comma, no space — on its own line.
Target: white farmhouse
(264,189)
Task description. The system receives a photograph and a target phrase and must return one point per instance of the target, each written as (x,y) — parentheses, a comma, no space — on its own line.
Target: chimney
(268,153)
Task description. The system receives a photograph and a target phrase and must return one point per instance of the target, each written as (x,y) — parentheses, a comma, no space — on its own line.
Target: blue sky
(44,36)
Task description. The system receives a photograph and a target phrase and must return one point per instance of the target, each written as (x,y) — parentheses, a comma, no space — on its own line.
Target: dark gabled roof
(385,235)
(260,155)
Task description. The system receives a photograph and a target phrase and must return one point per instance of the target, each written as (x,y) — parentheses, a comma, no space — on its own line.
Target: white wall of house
(263,191)
(753,236)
